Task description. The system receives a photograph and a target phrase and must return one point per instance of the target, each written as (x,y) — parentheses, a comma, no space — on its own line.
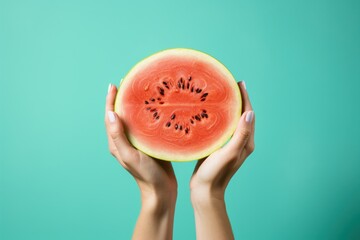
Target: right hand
(214,173)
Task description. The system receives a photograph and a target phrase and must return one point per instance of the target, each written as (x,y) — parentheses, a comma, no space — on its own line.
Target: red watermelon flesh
(179,105)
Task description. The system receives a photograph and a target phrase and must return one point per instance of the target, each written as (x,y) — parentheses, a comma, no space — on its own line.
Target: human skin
(155,178)
(212,175)
(158,185)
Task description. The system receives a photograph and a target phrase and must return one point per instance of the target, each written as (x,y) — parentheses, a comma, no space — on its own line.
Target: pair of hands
(157,181)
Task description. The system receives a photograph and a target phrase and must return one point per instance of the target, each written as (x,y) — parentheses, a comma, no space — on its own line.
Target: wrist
(158,202)
(206,195)
(212,221)
(206,202)
(156,217)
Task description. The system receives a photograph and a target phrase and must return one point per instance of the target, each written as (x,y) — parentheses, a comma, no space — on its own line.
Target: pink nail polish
(249,117)
(244,84)
(109,88)
(111,116)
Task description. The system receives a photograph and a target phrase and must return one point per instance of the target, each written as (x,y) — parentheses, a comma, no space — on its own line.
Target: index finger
(246,104)
(110,98)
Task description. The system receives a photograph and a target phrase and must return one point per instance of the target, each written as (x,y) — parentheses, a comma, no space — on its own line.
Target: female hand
(155,178)
(212,175)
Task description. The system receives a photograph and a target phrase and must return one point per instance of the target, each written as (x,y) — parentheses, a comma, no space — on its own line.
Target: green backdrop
(301,63)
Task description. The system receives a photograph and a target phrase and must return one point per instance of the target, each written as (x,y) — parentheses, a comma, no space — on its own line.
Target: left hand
(154,177)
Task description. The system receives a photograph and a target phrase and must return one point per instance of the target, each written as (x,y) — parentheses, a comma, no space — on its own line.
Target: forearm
(156,218)
(211,219)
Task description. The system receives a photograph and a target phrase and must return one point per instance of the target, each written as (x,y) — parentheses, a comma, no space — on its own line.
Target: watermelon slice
(179,105)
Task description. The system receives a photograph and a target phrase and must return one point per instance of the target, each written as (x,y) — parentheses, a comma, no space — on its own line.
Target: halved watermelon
(179,105)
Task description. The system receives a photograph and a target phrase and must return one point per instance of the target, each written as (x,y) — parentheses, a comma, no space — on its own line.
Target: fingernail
(110,85)
(111,116)
(249,117)
(244,84)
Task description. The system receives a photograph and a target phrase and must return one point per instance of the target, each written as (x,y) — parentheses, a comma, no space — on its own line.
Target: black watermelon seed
(203,99)
(168,124)
(192,89)
(176,126)
(180,127)
(183,86)
(186,130)
(165,83)
(188,85)
(146,102)
(192,121)
(155,114)
(161,102)
(198,90)
(179,84)
(206,116)
(157,117)
(197,118)
(202,115)
(173,116)
(161,91)
(204,95)
(152,99)
(153,110)
(204,111)
(190,78)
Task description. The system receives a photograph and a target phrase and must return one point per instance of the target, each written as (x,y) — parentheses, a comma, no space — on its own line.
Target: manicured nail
(249,117)
(110,85)
(243,83)
(111,116)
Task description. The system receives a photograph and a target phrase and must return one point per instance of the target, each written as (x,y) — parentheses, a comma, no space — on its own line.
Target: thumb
(115,130)
(243,131)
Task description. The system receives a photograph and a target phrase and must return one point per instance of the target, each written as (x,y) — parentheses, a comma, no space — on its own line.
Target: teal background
(301,63)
